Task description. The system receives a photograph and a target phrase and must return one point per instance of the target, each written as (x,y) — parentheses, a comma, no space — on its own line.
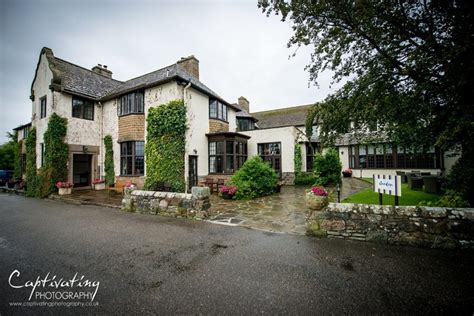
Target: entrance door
(193,171)
(81,170)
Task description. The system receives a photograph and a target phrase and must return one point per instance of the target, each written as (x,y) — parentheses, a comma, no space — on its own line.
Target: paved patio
(284,212)
(92,197)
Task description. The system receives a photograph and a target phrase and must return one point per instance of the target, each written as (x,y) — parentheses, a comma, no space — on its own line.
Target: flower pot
(316,202)
(99,186)
(64,191)
(226,196)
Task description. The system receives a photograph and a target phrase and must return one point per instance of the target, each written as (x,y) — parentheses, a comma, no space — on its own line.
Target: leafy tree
(8,153)
(409,67)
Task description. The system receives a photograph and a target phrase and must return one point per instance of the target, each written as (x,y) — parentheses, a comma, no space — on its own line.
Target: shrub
(56,154)
(298,160)
(305,179)
(254,179)
(450,199)
(327,168)
(43,184)
(165,147)
(109,161)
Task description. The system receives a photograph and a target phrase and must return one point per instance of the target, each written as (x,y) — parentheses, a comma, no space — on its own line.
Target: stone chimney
(102,70)
(190,64)
(244,104)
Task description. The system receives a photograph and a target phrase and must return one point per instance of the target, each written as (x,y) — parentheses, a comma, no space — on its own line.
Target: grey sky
(241,51)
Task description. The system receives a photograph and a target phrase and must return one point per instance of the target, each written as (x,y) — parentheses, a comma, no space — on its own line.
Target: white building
(220,135)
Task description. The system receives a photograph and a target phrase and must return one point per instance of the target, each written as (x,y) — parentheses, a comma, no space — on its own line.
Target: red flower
(320,191)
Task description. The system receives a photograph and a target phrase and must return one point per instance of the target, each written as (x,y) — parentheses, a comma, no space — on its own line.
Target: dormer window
(245,124)
(217,110)
(131,103)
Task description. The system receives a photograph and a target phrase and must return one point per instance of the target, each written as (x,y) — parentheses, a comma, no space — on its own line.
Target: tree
(8,153)
(409,69)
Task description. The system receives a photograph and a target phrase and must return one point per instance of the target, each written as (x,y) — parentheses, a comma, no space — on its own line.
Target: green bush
(327,168)
(43,182)
(109,161)
(254,179)
(305,179)
(450,199)
(165,146)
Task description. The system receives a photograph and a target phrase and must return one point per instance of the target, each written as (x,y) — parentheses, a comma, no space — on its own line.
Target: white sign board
(387,184)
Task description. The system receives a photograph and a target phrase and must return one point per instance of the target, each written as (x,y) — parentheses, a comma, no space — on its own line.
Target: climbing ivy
(109,161)
(17,158)
(56,154)
(31,177)
(298,160)
(165,146)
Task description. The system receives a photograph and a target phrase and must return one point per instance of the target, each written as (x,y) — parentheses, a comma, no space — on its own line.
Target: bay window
(217,110)
(131,103)
(132,162)
(227,152)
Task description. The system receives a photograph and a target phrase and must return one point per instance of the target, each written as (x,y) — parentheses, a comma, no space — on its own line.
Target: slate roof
(243,113)
(292,116)
(22,126)
(77,79)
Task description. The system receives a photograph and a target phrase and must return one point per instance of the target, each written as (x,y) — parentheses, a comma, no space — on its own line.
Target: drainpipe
(186,179)
(101,140)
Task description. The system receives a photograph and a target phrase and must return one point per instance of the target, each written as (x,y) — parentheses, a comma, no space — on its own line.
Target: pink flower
(229,189)
(320,191)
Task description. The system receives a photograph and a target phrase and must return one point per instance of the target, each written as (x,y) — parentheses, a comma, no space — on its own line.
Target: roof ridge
(89,70)
(283,109)
(149,73)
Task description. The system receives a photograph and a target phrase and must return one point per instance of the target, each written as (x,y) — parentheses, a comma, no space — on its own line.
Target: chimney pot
(102,70)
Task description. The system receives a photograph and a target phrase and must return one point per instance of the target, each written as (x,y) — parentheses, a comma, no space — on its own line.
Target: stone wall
(434,227)
(288,178)
(196,204)
(131,127)
(216,126)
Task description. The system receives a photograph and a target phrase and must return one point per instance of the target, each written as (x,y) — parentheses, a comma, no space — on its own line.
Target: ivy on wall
(109,161)
(298,160)
(17,158)
(165,146)
(31,178)
(56,154)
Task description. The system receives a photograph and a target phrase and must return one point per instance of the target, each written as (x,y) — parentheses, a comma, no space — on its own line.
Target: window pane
(76,107)
(212,164)
(230,163)
(220,148)
(212,148)
(139,101)
(225,113)
(139,148)
(230,147)
(139,165)
(219,164)
(89,110)
(213,109)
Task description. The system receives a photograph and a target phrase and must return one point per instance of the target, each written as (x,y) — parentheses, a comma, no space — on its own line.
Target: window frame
(238,156)
(222,111)
(43,106)
(82,107)
(133,156)
(128,105)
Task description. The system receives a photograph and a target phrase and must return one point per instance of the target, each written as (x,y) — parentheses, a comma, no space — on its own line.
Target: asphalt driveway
(153,264)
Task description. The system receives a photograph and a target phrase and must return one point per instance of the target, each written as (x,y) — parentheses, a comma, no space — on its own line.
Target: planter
(346,174)
(64,191)
(99,186)
(226,196)
(316,202)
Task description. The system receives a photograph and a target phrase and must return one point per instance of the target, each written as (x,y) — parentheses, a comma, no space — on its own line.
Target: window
(388,156)
(43,107)
(245,124)
(271,153)
(132,162)
(131,103)
(311,150)
(227,154)
(217,110)
(42,154)
(82,108)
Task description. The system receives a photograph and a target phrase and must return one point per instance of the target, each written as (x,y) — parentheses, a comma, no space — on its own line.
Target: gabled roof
(243,113)
(292,116)
(75,79)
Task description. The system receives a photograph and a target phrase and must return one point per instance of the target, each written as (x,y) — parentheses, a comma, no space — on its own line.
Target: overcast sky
(241,51)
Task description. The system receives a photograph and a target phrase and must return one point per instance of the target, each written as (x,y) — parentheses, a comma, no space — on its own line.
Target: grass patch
(409,197)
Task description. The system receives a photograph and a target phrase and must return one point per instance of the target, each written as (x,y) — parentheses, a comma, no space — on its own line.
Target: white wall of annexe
(284,135)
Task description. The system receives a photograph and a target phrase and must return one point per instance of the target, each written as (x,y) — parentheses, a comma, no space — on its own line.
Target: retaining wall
(434,227)
(196,204)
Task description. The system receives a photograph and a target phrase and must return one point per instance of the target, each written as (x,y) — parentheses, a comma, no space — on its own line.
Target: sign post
(387,184)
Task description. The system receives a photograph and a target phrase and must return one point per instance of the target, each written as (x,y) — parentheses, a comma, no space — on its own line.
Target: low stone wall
(434,227)
(196,204)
